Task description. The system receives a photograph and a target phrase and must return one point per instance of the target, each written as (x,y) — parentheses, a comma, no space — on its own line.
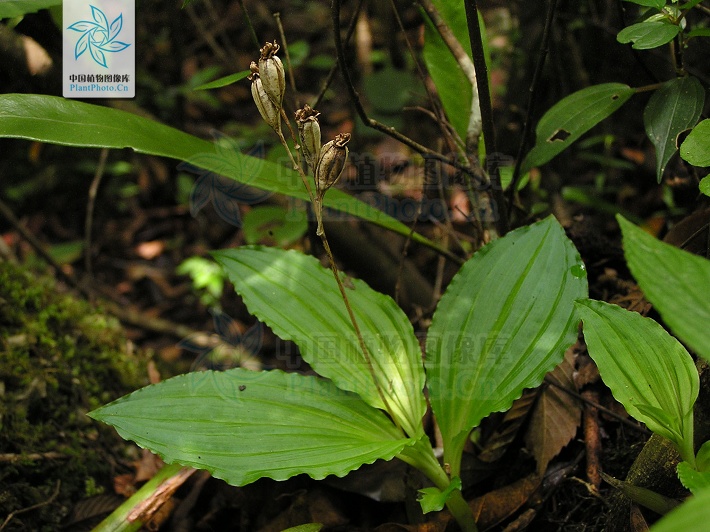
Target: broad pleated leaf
(694,514)
(696,146)
(647,370)
(243,425)
(675,281)
(72,123)
(573,116)
(505,320)
(299,299)
(672,109)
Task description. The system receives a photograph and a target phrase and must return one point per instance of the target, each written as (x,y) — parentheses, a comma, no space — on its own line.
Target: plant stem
(421,456)
(479,61)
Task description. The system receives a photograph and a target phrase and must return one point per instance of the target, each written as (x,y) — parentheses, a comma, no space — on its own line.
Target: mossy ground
(59,359)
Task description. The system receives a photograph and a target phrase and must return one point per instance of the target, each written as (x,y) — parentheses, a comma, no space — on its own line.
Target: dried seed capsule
(309,134)
(272,74)
(331,163)
(267,109)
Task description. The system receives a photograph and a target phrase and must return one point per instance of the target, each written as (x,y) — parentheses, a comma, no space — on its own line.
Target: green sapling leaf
(694,514)
(243,425)
(671,110)
(702,458)
(503,323)
(647,370)
(433,499)
(674,281)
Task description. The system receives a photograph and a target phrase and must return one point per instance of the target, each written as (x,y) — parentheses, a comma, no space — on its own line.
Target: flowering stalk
(327,163)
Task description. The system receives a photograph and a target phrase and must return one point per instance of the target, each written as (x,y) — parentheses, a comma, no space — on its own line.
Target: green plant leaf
(434,499)
(675,281)
(702,458)
(505,320)
(573,116)
(270,223)
(648,34)
(658,4)
(300,301)
(704,185)
(694,514)
(223,82)
(695,481)
(671,110)
(647,370)
(452,85)
(243,425)
(696,146)
(18,8)
(72,123)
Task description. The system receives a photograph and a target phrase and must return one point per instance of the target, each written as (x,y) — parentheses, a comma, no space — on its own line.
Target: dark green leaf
(671,110)
(647,370)
(223,82)
(243,425)
(658,4)
(273,224)
(71,123)
(18,8)
(675,281)
(649,34)
(299,300)
(503,323)
(696,146)
(573,116)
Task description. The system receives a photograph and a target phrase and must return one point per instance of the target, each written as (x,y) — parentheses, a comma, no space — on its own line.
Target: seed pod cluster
(309,134)
(269,111)
(272,73)
(332,160)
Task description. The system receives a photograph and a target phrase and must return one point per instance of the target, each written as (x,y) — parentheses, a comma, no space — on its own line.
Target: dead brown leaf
(556,415)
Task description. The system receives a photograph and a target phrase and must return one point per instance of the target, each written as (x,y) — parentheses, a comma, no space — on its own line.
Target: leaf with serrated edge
(675,281)
(243,425)
(299,300)
(672,109)
(647,370)
(695,481)
(505,320)
(556,416)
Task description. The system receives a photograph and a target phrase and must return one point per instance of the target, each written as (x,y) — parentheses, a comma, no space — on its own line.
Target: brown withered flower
(272,73)
(309,134)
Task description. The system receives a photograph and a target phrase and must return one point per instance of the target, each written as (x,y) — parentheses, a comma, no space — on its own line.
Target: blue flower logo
(98,36)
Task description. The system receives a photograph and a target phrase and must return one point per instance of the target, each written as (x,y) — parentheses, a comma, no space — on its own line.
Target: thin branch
(542,55)
(348,34)
(89,220)
(50,500)
(282,35)
(425,152)
(479,61)
(247,19)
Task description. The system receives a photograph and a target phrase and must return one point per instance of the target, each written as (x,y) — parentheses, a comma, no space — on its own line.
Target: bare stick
(53,496)
(252,32)
(89,220)
(282,35)
(479,60)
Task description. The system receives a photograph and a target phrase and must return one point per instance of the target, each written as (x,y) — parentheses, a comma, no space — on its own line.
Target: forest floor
(145,225)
